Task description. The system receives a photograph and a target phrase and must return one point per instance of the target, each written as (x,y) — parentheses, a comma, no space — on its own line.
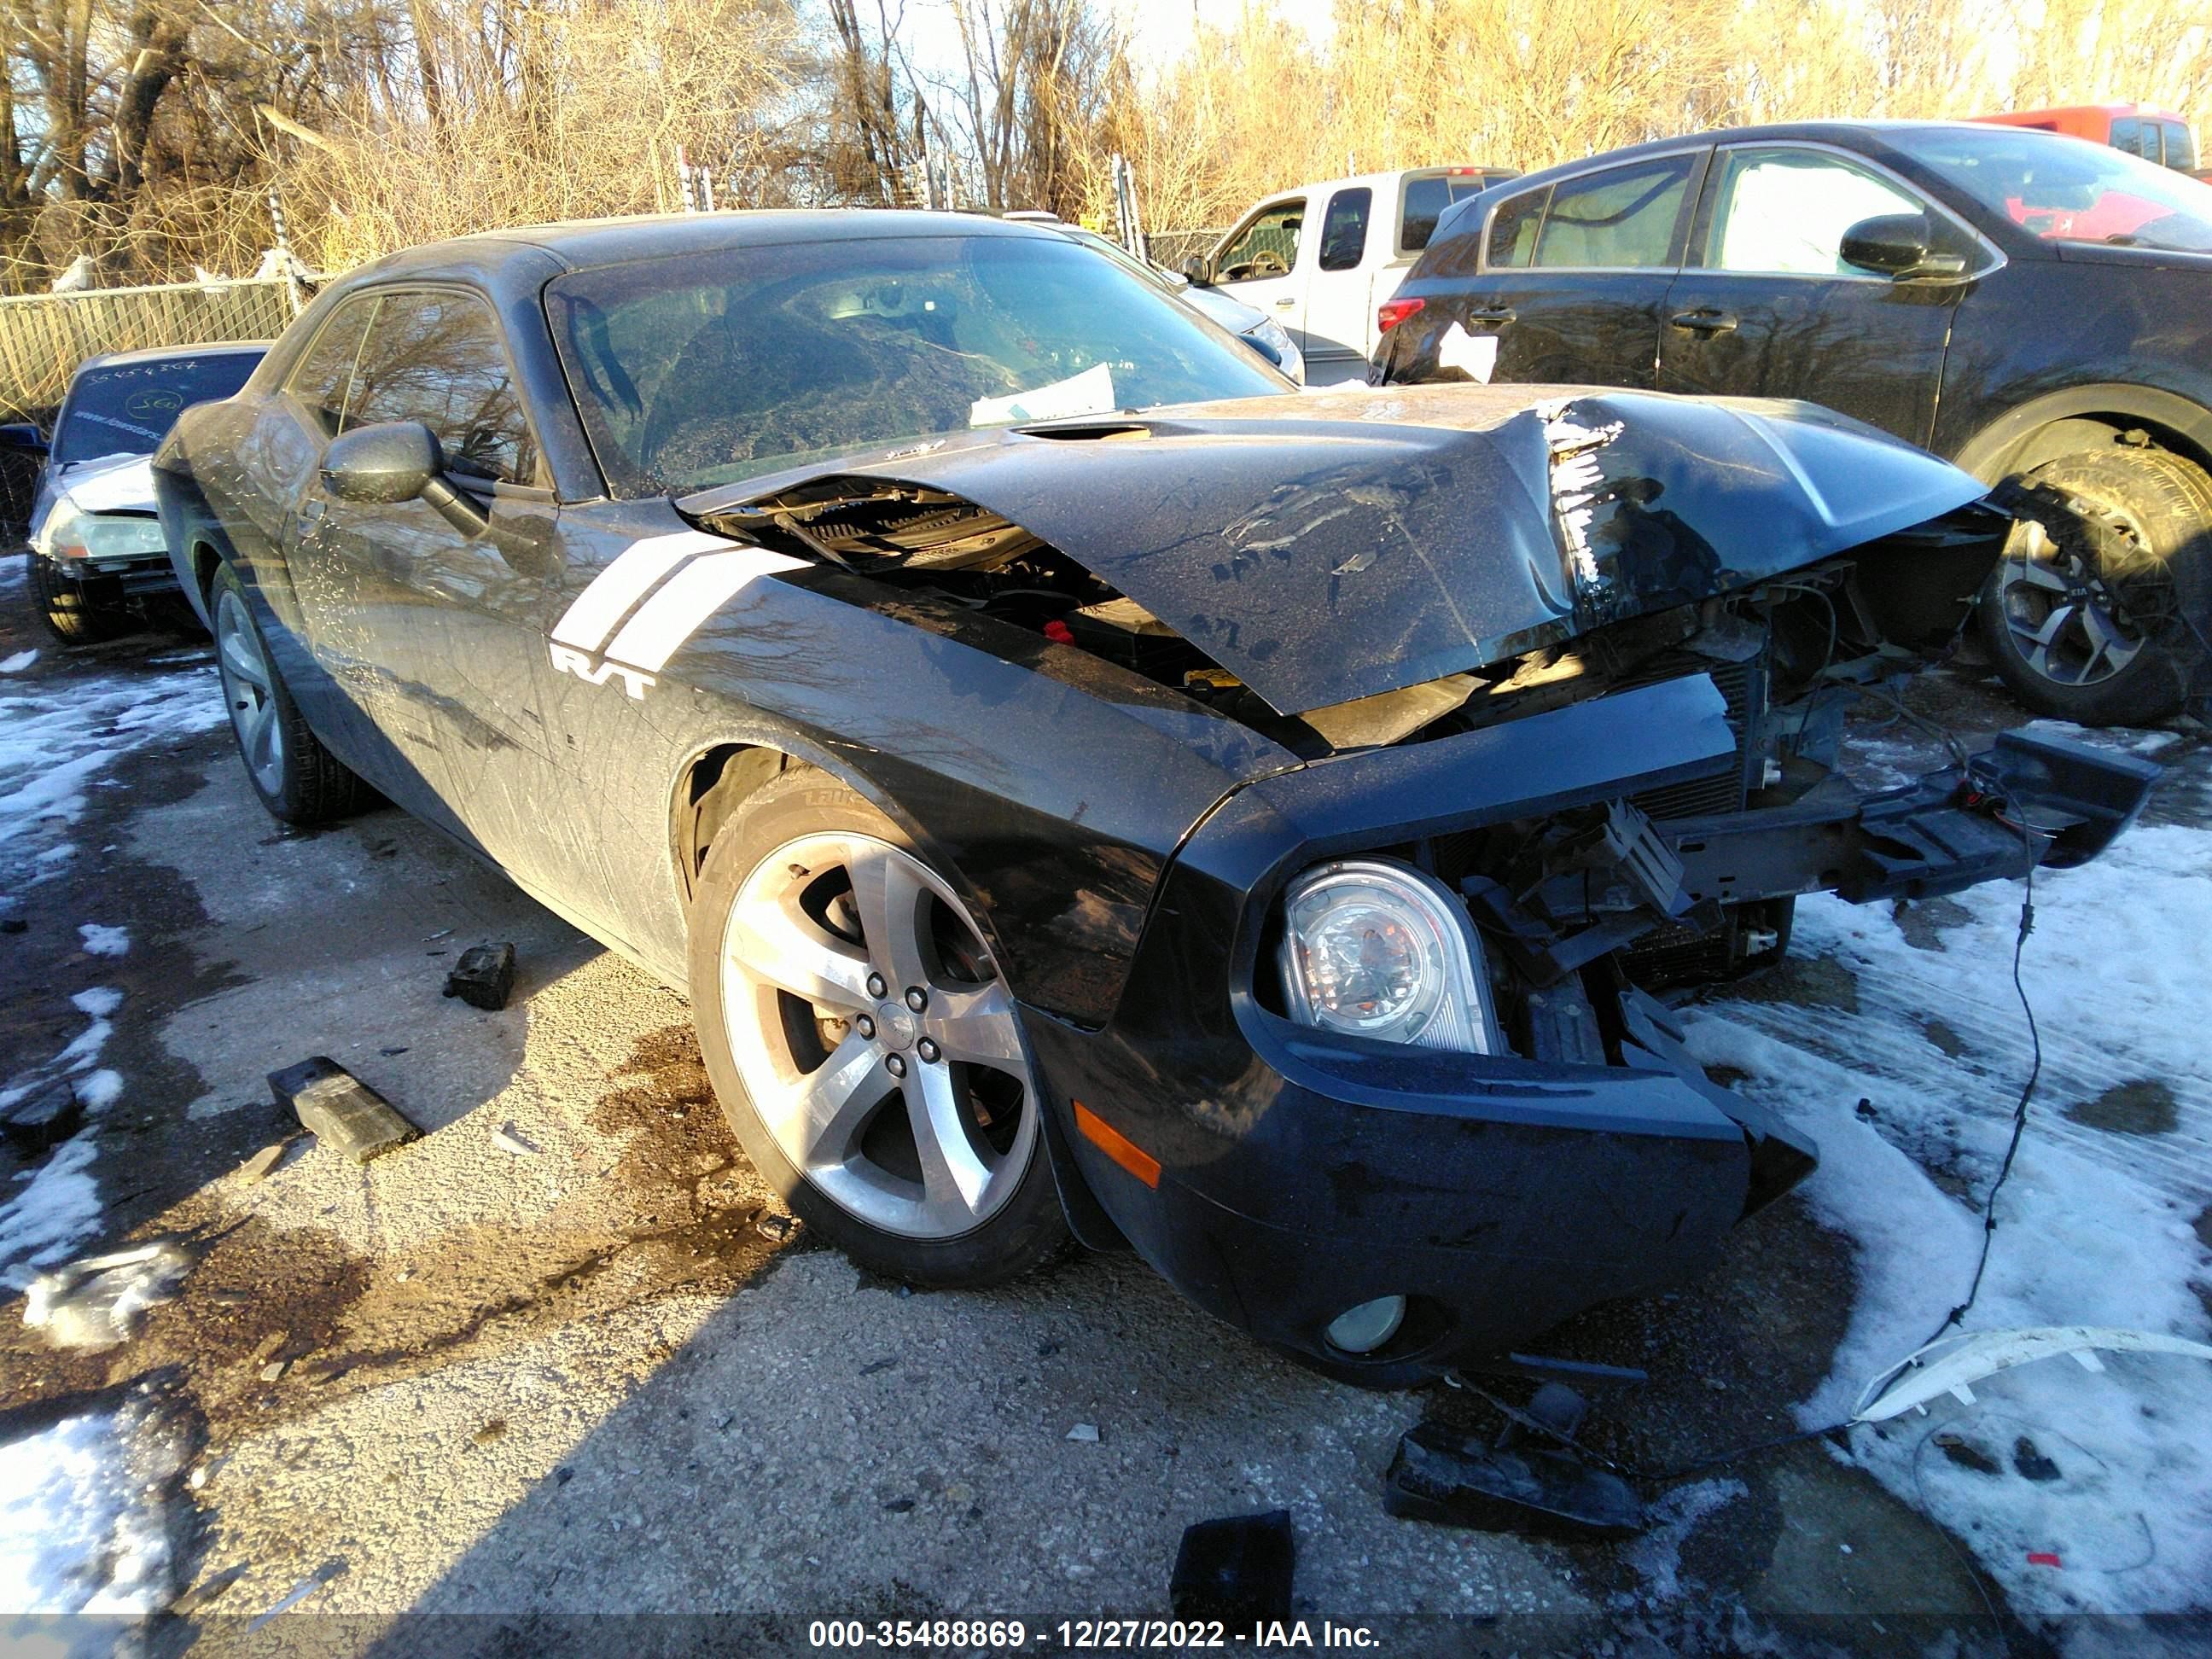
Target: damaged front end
(1558,683)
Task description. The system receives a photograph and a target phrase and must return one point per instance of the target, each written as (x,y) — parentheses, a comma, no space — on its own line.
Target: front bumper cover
(1302,1173)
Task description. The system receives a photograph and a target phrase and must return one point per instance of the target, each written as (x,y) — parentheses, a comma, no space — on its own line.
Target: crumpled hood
(1337,545)
(107,483)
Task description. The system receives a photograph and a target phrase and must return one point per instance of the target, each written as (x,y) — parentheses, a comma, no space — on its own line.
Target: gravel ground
(565,1355)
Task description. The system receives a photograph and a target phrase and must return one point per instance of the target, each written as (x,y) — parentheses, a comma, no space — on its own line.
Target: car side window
(1783,212)
(321,379)
(1622,218)
(434,357)
(2180,146)
(2127,134)
(1267,246)
(1513,228)
(1344,230)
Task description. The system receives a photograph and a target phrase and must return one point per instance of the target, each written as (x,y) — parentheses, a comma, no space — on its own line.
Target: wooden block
(339,1110)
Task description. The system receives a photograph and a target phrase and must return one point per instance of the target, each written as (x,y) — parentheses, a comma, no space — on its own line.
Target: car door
(1337,316)
(1258,262)
(1768,308)
(1573,274)
(433,633)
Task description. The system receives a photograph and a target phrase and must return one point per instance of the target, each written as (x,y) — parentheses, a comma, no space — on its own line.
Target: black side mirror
(399,461)
(1198,270)
(1898,245)
(24,438)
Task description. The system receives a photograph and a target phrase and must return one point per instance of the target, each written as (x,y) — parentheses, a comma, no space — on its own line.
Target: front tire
(910,1137)
(299,781)
(69,609)
(2085,627)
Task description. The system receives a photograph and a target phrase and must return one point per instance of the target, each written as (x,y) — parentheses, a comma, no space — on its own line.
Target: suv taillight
(1391,313)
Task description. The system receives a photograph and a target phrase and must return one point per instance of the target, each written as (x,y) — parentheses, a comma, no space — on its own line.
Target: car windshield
(127,409)
(1121,257)
(702,369)
(2069,190)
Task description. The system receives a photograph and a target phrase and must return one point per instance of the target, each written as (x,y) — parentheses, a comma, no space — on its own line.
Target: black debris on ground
(1238,1570)
(483,978)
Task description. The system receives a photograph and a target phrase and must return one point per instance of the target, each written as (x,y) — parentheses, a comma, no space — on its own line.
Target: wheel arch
(2062,422)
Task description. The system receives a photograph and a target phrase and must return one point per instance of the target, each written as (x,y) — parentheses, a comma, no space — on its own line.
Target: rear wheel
(2083,622)
(298,779)
(864,1044)
(70,609)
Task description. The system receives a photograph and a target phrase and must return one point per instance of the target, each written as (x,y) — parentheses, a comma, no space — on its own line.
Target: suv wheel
(865,1046)
(2084,626)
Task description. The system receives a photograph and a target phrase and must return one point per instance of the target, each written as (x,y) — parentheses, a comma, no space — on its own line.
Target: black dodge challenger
(1085,783)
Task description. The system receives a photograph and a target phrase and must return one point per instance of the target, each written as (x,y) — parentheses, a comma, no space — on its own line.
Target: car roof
(161,354)
(1827,132)
(582,243)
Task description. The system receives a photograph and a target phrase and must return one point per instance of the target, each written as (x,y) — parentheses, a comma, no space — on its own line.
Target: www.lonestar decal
(652,597)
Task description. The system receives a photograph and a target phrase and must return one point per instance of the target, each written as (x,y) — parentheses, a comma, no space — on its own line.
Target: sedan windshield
(706,368)
(2069,190)
(127,409)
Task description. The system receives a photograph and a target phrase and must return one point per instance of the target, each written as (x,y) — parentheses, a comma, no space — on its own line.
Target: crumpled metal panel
(1333,546)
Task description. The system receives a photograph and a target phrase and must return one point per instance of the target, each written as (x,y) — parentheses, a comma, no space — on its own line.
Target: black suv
(2036,308)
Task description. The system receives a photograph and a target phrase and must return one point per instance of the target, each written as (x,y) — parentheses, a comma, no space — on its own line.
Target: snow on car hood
(1341,544)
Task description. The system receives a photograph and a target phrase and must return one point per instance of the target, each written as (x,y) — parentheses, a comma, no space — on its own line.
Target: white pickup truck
(1324,286)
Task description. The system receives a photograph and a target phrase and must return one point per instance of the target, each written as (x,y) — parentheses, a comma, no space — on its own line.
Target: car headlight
(1275,341)
(69,534)
(1379,949)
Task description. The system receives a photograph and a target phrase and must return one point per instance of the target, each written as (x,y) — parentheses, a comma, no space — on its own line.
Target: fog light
(1366,1327)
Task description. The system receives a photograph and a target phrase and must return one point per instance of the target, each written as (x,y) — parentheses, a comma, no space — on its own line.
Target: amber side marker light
(1116,1146)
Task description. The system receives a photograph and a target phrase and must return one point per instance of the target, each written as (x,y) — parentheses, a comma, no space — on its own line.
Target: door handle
(1287,302)
(1500,315)
(1703,320)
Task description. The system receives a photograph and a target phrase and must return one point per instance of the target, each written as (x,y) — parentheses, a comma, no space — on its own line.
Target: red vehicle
(2156,135)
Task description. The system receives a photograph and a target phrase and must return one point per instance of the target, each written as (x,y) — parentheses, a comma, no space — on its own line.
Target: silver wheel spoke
(2037,641)
(952,1176)
(977,1025)
(2035,573)
(2107,644)
(240,658)
(260,729)
(774,944)
(888,891)
(823,1112)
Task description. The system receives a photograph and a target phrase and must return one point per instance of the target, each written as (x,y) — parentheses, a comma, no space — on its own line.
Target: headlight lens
(69,534)
(1378,948)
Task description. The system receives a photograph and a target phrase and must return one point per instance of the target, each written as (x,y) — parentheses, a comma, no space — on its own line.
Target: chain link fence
(1172,247)
(43,336)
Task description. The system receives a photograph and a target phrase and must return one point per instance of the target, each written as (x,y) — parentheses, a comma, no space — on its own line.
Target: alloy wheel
(2066,621)
(249,690)
(877,1040)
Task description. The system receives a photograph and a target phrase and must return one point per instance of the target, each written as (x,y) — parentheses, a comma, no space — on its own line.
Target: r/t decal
(569,660)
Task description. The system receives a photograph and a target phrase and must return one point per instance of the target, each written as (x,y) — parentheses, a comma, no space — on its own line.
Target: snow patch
(19,662)
(57,739)
(82,1528)
(2093,1227)
(57,1207)
(102,941)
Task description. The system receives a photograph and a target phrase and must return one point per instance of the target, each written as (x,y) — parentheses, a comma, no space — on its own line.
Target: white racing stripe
(628,578)
(683,603)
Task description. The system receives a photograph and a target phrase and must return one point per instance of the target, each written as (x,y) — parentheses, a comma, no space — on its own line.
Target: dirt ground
(565,1357)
